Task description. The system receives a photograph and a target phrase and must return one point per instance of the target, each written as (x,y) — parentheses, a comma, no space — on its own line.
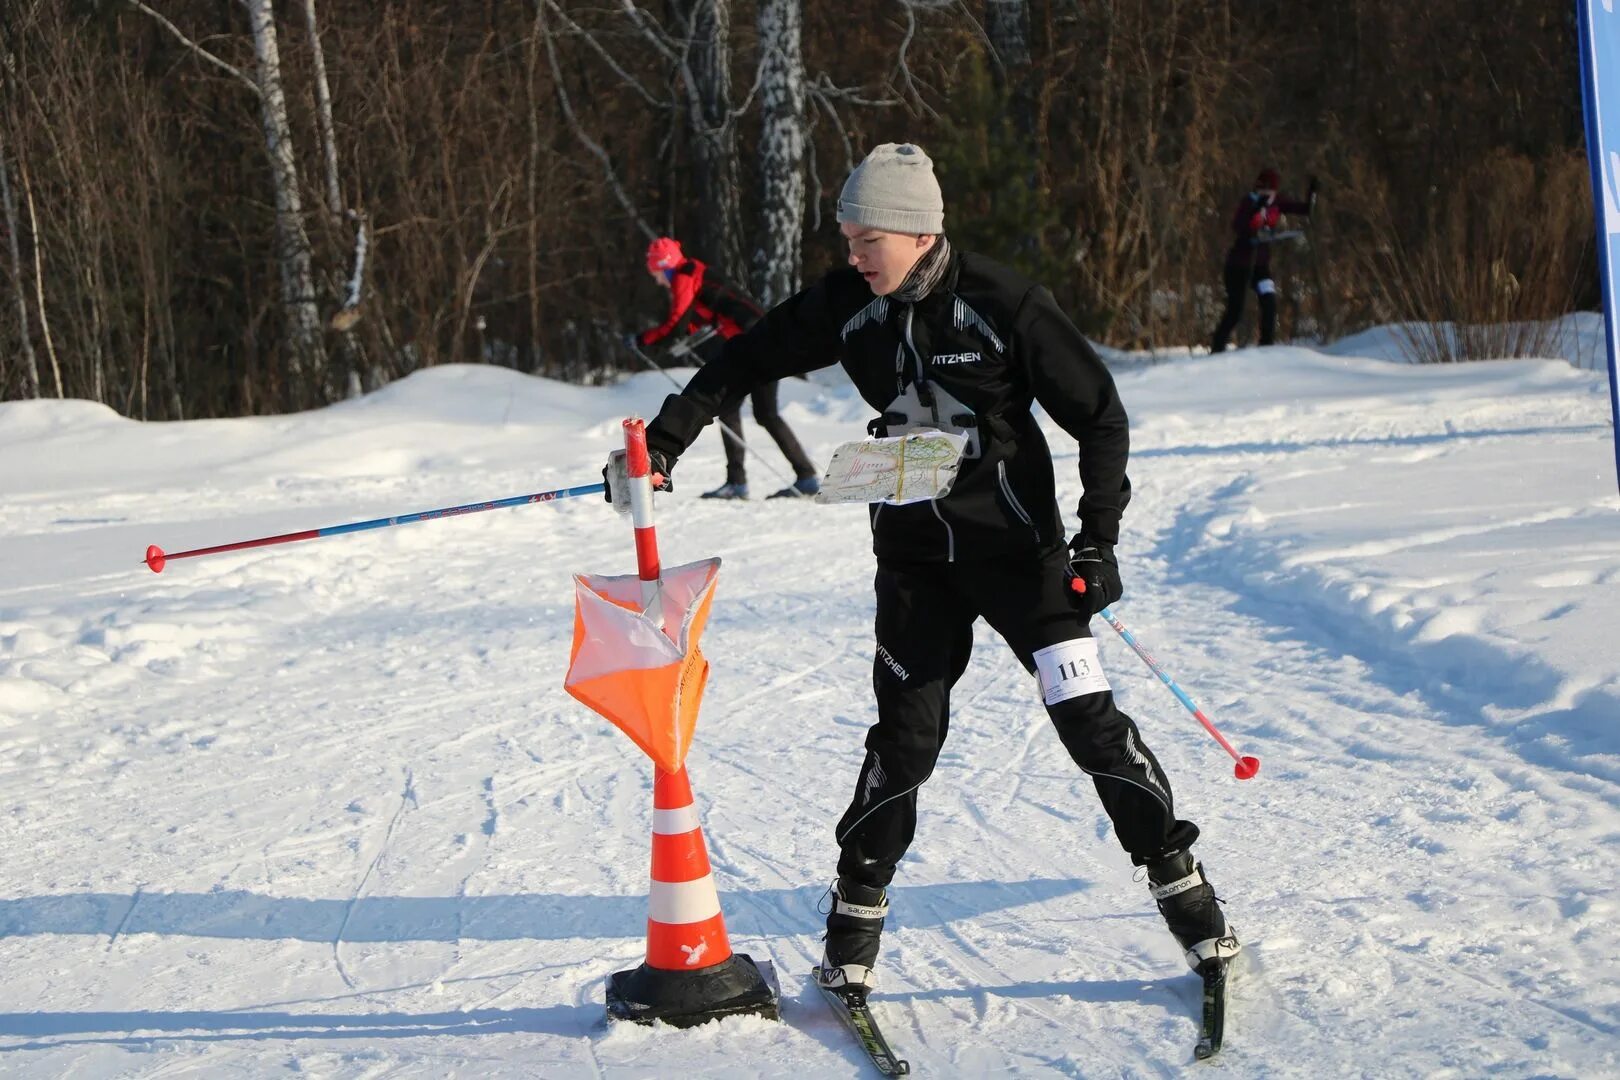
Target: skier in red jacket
(699,299)
(1248,260)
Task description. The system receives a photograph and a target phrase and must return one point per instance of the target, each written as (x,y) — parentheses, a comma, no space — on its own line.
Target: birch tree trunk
(714,135)
(778,259)
(323,111)
(8,203)
(531,178)
(39,280)
(349,314)
(305,353)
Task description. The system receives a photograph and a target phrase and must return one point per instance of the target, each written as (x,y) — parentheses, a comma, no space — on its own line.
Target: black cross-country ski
(1214,973)
(852,1009)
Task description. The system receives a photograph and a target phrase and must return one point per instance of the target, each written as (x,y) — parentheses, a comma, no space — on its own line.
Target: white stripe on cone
(675,822)
(676,903)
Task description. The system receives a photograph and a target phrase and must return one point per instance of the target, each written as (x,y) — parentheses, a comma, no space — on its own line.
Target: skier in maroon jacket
(699,299)
(1248,260)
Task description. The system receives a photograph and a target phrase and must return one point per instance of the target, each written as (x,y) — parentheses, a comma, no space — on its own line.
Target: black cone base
(739,986)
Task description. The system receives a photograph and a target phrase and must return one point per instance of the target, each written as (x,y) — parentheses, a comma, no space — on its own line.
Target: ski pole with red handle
(1246,766)
(157,558)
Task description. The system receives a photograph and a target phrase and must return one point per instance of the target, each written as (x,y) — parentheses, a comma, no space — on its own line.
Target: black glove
(1093,575)
(631,342)
(662,465)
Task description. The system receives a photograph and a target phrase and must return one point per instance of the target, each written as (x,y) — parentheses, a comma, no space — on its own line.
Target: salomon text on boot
(1191,909)
(854,927)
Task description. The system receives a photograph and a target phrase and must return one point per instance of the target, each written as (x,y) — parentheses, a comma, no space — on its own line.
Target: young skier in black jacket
(925,330)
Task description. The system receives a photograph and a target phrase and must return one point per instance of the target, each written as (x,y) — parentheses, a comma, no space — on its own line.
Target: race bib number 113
(1070,669)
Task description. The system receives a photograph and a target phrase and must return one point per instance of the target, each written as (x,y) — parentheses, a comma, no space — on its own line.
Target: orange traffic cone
(690,974)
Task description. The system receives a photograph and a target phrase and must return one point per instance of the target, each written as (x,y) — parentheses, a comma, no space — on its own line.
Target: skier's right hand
(662,465)
(1093,575)
(615,477)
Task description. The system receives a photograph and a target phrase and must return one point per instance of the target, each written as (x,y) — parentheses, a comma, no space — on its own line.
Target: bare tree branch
(595,148)
(907,82)
(823,86)
(979,31)
(607,57)
(655,34)
(819,92)
(323,112)
(198,49)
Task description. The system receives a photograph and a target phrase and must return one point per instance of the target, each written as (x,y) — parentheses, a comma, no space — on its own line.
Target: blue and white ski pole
(1246,766)
(157,558)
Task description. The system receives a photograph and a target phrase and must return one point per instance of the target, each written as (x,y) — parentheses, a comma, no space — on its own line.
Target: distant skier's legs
(736,452)
(736,485)
(769,418)
(1236,281)
(1266,290)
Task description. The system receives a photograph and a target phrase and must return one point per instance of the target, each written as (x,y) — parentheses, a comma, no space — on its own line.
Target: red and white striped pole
(638,466)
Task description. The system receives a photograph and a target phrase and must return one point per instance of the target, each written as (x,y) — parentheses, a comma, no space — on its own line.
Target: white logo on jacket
(957,358)
(965,317)
(875,776)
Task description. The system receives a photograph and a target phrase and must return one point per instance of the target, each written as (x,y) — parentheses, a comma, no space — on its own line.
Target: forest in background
(233,207)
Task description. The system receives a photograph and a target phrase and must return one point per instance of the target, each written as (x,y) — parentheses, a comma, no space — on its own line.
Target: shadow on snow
(542,916)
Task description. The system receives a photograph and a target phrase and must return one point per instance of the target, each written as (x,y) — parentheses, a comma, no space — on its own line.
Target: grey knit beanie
(894,189)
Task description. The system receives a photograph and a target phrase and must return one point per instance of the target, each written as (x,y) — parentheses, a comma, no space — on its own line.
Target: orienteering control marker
(636,661)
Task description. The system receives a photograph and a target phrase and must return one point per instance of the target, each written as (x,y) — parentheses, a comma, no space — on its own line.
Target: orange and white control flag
(647,681)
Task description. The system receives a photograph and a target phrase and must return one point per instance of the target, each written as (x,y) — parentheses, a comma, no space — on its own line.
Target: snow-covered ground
(324,808)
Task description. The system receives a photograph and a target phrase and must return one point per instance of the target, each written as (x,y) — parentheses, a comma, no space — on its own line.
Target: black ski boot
(854,926)
(728,490)
(1190,907)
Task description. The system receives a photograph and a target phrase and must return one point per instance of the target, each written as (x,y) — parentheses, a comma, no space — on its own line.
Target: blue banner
(1600,86)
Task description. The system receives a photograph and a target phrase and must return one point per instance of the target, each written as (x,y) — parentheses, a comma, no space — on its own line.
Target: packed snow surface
(324,807)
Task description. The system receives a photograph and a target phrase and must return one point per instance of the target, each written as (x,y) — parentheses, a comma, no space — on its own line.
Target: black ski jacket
(996,342)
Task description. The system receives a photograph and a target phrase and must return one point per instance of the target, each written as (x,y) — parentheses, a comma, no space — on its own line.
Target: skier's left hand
(1093,575)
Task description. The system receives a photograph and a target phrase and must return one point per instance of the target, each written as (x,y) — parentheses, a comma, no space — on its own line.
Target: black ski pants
(925,617)
(765,411)
(1238,280)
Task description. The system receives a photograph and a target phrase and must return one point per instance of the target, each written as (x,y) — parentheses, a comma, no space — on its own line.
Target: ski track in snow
(326,807)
